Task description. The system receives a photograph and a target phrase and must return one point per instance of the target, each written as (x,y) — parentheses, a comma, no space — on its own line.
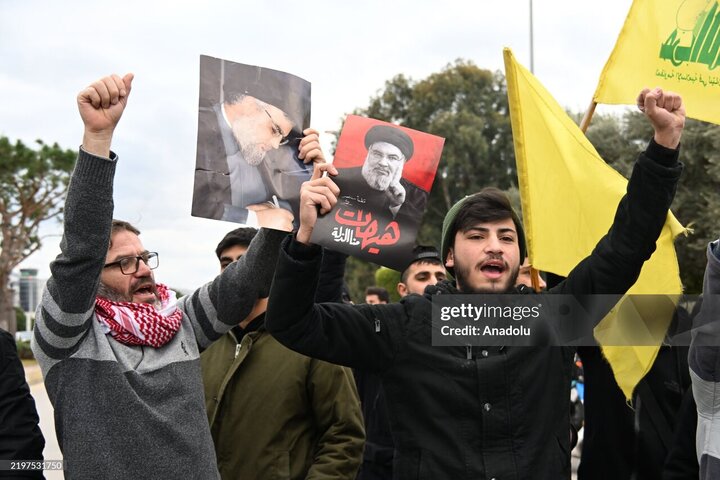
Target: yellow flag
(673,44)
(569,196)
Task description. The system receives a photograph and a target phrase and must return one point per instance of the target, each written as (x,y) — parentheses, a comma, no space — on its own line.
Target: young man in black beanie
(474,412)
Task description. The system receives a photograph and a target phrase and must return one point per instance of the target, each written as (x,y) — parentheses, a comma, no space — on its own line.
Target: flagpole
(535,279)
(585,123)
(534,274)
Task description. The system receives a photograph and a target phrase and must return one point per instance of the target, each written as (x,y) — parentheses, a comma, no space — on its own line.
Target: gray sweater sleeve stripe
(57,335)
(223,303)
(74,323)
(62,332)
(53,352)
(88,215)
(69,296)
(204,334)
(203,296)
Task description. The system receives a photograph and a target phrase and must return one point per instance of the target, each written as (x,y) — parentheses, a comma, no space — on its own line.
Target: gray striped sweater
(132,412)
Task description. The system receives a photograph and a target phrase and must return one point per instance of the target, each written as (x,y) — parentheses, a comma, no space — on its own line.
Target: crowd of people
(270,371)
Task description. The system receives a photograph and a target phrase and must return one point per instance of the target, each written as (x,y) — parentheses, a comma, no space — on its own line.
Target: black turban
(391,135)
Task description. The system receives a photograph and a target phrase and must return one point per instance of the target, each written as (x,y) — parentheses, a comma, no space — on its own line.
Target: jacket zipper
(237,349)
(377,326)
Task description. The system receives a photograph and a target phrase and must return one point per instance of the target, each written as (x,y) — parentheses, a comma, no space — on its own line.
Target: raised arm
(363,336)
(68,301)
(615,263)
(101,105)
(216,307)
(332,274)
(666,113)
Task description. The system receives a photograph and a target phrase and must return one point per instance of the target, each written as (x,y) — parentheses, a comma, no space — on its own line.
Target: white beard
(251,152)
(376,181)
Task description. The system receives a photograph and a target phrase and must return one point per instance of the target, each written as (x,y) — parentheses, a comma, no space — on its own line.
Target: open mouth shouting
(493,268)
(145,292)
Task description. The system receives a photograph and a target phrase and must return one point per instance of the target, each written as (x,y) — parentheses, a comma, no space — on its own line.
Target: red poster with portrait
(385,173)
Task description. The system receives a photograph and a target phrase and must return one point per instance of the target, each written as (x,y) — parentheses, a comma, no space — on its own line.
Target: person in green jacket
(274,413)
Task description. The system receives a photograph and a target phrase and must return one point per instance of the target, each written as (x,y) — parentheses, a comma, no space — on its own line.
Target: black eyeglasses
(130,265)
(277,130)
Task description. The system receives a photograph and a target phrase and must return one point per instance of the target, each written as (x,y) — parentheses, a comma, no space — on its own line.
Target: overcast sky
(51,50)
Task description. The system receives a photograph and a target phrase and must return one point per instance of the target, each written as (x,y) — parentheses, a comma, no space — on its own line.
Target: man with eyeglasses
(241,176)
(119,354)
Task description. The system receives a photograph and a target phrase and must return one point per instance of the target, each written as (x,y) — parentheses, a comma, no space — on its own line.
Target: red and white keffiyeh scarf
(141,323)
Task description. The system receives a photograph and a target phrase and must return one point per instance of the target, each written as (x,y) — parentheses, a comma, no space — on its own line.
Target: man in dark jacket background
(20,435)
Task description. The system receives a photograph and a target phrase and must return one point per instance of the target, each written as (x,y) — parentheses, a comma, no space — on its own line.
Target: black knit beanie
(448,233)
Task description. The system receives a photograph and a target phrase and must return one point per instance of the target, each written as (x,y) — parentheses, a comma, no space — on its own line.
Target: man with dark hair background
(376,295)
(525,276)
(425,269)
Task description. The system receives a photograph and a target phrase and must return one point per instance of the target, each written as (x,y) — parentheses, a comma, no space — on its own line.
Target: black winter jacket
(20,435)
(480,413)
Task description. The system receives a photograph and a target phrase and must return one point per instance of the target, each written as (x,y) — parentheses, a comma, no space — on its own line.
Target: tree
(33,183)
(20,319)
(388,279)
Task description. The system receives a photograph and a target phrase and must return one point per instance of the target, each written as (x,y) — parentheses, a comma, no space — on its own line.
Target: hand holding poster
(250,124)
(385,173)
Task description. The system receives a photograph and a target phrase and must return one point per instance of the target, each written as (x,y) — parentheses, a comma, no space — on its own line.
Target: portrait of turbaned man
(250,123)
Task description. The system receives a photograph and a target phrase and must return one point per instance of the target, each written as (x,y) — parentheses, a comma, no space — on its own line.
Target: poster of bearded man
(250,124)
(385,173)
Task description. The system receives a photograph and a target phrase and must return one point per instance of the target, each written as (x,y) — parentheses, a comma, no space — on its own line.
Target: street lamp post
(532,52)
